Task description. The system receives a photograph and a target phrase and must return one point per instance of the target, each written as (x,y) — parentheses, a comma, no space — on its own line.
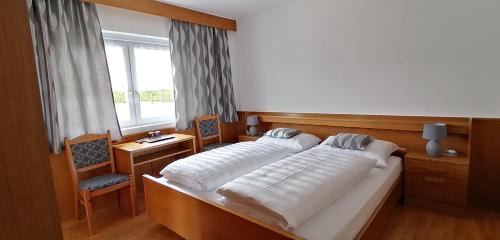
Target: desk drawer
(436,187)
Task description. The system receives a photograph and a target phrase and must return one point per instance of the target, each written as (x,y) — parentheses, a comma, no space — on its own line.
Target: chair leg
(88,211)
(77,207)
(132,197)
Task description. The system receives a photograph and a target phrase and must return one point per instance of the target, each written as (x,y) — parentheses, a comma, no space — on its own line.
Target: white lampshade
(252,120)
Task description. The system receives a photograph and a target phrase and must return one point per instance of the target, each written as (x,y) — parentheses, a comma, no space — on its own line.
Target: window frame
(128,42)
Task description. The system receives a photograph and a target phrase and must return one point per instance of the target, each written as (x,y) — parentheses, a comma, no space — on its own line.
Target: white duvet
(290,191)
(208,170)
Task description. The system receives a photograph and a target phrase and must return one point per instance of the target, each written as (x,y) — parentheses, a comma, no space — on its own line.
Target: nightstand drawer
(246,138)
(437,168)
(435,187)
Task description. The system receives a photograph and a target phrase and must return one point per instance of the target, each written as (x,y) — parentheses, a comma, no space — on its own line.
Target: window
(141,79)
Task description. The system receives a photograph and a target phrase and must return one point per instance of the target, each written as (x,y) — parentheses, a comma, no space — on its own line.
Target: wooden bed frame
(194,217)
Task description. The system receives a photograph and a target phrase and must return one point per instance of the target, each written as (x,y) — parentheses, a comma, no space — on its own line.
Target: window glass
(153,73)
(141,78)
(119,80)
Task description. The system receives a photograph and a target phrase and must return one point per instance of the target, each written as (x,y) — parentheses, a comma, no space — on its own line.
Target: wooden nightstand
(436,183)
(246,138)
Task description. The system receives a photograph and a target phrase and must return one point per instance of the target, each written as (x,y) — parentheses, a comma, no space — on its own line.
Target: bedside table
(247,138)
(436,183)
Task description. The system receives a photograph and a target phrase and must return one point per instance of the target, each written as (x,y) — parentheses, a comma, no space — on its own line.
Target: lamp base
(434,148)
(252,131)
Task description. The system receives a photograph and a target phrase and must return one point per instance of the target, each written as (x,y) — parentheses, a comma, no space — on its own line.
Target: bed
(210,169)
(199,215)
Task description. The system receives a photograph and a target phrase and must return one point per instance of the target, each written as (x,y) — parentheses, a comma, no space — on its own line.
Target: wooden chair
(89,152)
(208,128)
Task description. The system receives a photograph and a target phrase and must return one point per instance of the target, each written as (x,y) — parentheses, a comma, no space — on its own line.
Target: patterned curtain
(202,73)
(72,70)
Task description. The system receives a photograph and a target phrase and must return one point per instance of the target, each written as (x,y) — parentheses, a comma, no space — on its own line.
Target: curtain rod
(170,11)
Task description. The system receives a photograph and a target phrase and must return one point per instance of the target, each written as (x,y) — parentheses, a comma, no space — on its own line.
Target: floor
(116,224)
(407,223)
(413,223)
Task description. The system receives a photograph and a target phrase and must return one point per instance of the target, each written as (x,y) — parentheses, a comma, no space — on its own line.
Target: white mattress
(344,218)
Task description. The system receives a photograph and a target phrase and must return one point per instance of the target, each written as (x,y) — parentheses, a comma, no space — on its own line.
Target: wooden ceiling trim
(170,11)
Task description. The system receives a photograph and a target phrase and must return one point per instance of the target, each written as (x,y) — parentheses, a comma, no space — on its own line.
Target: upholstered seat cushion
(214,146)
(102,181)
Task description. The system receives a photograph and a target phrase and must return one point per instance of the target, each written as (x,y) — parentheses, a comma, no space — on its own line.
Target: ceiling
(235,9)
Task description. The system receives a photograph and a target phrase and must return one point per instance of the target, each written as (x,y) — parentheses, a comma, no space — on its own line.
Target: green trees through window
(147,96)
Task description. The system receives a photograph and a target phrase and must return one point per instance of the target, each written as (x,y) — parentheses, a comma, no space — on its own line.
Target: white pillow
(298,143)
(329,139)
(378,149)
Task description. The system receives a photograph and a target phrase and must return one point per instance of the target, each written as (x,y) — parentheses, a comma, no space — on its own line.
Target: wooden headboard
(406,131)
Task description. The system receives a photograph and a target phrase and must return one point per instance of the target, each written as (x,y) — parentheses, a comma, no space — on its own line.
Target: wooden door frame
(28,202)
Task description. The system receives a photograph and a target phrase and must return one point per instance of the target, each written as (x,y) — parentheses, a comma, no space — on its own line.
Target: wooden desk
(137,159)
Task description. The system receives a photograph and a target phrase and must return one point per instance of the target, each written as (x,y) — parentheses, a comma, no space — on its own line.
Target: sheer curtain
(202,73)
(72,70)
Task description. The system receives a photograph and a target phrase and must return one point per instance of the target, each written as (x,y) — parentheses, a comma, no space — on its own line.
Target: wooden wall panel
(484,184)
(412,141)
(399,123)
(27,199)
(403,130)
(230,131)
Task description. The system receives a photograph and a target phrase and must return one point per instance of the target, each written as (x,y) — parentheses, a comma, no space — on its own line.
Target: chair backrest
(88,152)
(208,127)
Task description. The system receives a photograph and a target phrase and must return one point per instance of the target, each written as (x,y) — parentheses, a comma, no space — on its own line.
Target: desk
(137,159)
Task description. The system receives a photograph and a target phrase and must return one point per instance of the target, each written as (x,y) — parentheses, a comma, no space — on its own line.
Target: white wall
(121,20)
(406,57)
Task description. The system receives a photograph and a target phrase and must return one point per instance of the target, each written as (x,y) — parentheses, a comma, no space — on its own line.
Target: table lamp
(252,121)
(434,132)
